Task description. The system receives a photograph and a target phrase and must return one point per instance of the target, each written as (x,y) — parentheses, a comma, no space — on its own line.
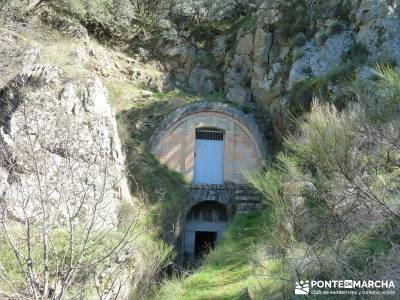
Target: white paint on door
(209,162)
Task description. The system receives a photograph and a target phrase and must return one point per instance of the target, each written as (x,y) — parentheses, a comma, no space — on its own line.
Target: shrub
(222,9)
(103,18)
(16,9)
(357,54)
(290,22)
(299,40)
(335,26)
(298,53)
(336,186)
(344,10)
(320,38)
(381,100)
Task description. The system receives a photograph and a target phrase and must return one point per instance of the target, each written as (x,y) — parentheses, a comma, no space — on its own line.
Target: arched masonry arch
(174,144)
(212,145)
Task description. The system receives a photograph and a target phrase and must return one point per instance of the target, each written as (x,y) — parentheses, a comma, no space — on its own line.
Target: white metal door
(209,159)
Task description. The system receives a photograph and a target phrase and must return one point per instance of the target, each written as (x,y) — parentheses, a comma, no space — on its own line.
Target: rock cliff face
(71,122)
(263,64)
(58,142)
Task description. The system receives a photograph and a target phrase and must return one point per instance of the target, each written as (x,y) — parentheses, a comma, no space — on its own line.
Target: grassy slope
(72,57)
(228,271)
(161,190)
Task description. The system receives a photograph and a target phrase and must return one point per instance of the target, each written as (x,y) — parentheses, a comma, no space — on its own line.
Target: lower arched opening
(204,226)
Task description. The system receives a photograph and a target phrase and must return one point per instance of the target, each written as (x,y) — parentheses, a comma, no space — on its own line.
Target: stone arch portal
(179,140)
(212,145)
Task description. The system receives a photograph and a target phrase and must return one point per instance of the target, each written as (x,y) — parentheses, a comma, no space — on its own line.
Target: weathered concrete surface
(234,198)
(244,146)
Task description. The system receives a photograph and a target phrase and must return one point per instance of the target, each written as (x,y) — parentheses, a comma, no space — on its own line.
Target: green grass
(69,63)
(227,271)
(163,190)
(300,96)
(367,246)
(59,255)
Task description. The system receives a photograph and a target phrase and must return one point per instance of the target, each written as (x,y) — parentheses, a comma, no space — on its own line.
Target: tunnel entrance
(204,241)
(205,223)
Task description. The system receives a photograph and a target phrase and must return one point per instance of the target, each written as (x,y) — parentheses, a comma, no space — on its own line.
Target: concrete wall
(243,145)
(235,198)
(189,232)
(244,149)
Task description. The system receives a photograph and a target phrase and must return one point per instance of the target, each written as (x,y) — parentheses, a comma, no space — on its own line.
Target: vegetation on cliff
(319,77)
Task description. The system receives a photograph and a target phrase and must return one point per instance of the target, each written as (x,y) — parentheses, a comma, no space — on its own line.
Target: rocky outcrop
(13,50)
(59,144)
(202,80)
(178,60)
(378,24)
(319,61)
(262,64)
(239,66)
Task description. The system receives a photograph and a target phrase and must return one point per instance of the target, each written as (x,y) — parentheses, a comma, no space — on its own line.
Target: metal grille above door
(211,135)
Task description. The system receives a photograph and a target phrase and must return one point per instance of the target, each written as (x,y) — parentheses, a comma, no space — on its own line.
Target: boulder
(319,61)
(244,43)
(202,80)
(268,86)
(15,53)
(95,98)
(268,58)
(179,60)
(220,47)
(239,71)
(365,73)
(68,99)
(262,45)
(269,79)
(238,95)
(379,27)
(146,94)
(156,83)
(62,142)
